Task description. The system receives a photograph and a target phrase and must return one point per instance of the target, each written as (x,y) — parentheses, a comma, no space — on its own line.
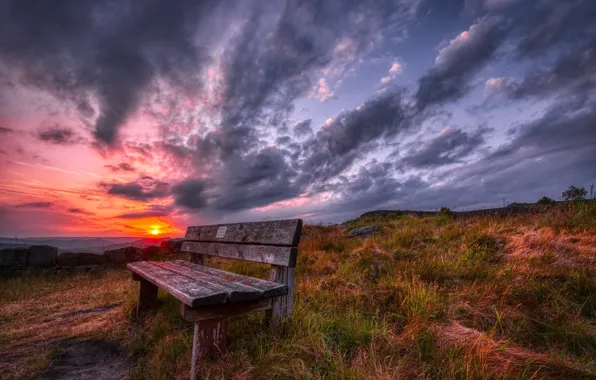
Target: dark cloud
(5,130)
(570,74)
(303,128)
(283,140)
(153,211)
(121,167)
(40,205)
(353,133)
(551,24)
(190,193)
(256,180)
(145,189)
(58,135)
(75,210)
(567,126)
(457,62)
(103,50)
(451,146)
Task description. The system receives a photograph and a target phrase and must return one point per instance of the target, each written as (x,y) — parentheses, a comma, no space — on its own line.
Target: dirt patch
(88,360)
(95,310)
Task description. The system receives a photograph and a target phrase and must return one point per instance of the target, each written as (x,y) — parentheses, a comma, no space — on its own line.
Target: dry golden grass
(426,298)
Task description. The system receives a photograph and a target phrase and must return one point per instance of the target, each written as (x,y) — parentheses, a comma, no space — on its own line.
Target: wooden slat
(274,232)
(236,292)
(276,255)
(268,288)
(222,311)
(183,288)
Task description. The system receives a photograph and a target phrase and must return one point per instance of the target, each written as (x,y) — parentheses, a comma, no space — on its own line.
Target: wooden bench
(208,296)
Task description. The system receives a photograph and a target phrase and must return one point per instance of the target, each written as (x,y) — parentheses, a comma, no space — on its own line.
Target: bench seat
(197,285)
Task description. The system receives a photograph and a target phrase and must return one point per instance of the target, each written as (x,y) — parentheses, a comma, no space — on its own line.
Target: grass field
(429,298)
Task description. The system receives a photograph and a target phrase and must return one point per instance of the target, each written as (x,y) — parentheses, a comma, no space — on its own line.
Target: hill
(432,297)
(90,245)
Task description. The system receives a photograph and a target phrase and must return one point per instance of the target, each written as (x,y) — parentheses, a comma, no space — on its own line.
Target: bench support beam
(209,339)
(147,294)
(281,307)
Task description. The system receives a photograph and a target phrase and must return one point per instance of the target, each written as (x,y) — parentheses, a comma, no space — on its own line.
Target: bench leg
(209,339)
(281,307)
(147,294)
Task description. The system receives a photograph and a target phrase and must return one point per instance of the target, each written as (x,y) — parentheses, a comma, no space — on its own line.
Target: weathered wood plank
(220,311)
(268,288)
(236,292)
(274,232)
(281,307)
(276,255)
(183,288)
(209,339)
(147,294)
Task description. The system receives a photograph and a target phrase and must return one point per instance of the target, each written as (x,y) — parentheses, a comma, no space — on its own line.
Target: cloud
(121,167)
(457,62)
(352,133)
(145,189)
(450,146)
(498,89)
(39,205)
(190,194)
(5,130)
(571,73)
(76,210)
(103,51)
(322,92)
(283,140)
(58,135)
(152,211)
(303,128)
(551,25)
(395,69)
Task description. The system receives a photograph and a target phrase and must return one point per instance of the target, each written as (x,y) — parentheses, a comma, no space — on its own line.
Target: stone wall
(47,257)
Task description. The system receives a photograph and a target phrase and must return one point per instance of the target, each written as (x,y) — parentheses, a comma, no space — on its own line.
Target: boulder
(363,231)
(14,257)
(42,256)
(124,255)
(171,246)
(116,256)
(133,254)
(150,252)
(80,258)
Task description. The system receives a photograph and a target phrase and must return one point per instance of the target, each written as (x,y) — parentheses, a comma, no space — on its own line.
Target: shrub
(574,194)
(546,201)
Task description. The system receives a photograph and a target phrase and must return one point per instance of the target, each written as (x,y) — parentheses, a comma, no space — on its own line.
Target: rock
(42,256)
(124,255)
(14,257)
(150,252)
(171,246)
(363,231)
(133,254)
(116,256)
(82,258)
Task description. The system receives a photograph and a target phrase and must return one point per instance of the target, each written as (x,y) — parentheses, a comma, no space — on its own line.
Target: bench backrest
(272,242)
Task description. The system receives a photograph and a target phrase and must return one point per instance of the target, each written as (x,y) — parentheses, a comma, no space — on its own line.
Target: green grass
(426,298)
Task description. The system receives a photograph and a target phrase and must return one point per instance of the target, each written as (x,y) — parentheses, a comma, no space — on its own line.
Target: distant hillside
(84,244)
(513,208)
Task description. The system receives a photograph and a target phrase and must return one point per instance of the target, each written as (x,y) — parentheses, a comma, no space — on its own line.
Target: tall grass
(436,297)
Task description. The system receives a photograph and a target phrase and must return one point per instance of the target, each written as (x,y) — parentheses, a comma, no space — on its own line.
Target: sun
(154,232)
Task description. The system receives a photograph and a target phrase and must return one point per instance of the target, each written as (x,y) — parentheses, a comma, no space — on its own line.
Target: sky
(118,118)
